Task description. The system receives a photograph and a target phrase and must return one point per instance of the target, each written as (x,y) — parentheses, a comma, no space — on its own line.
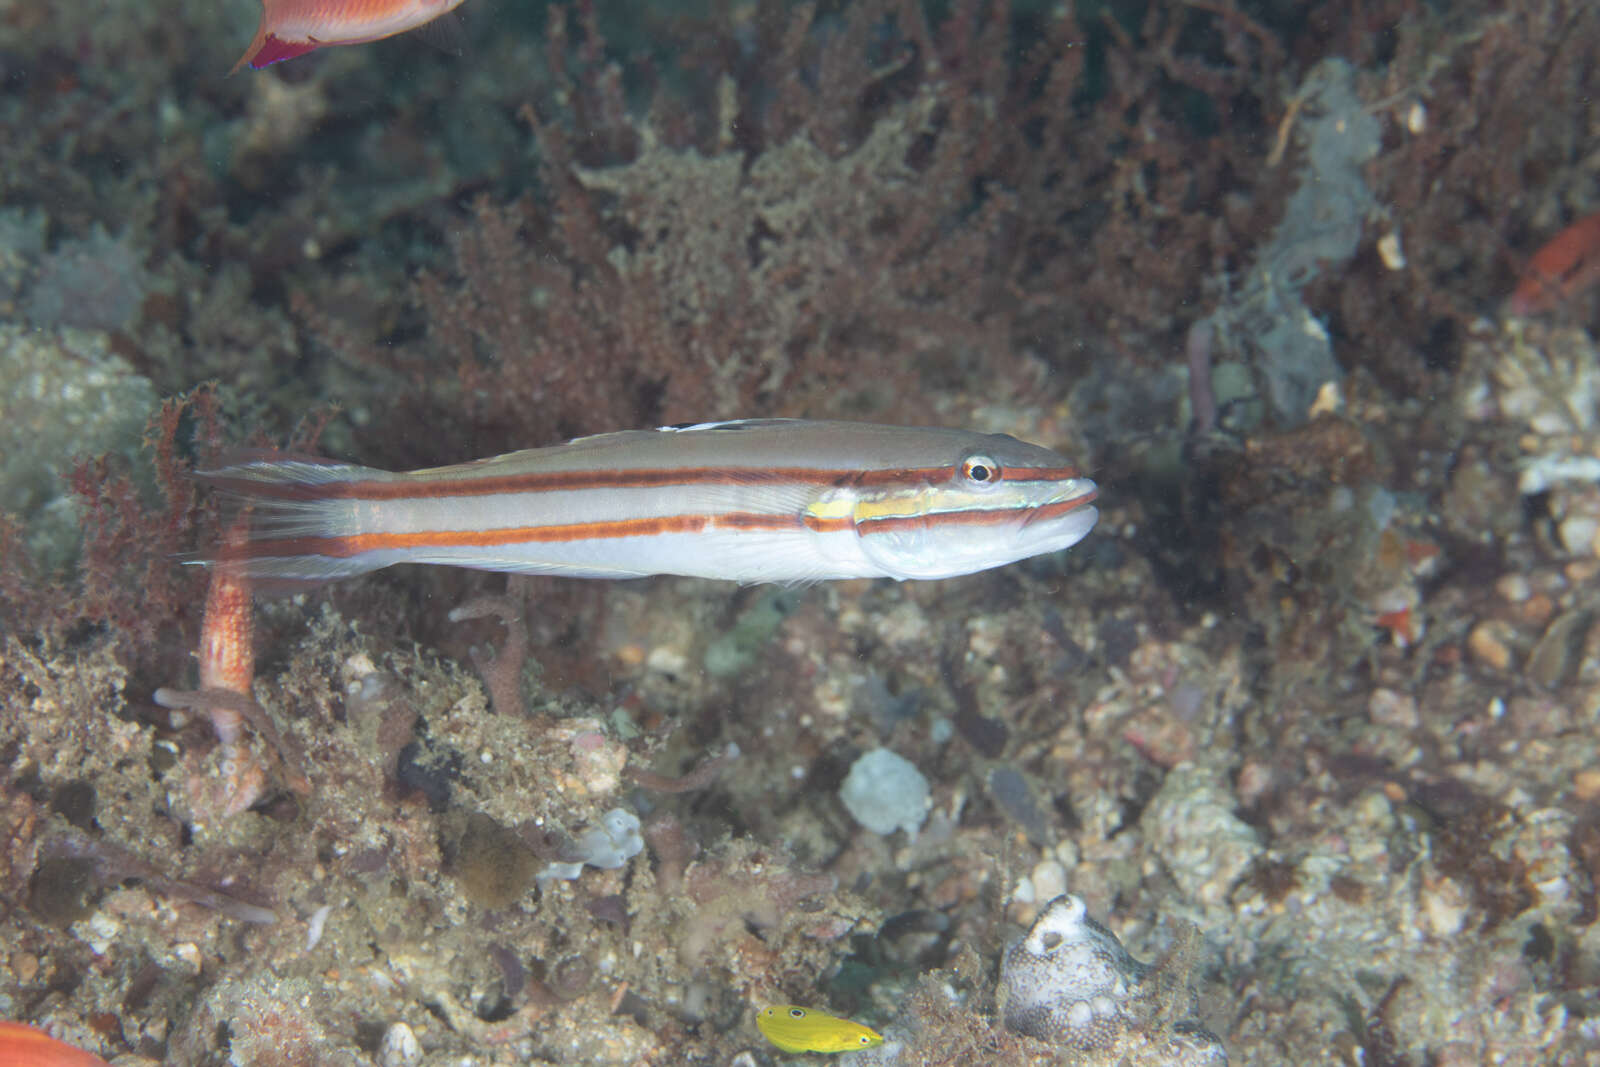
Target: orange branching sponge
(227,669)
(227,636)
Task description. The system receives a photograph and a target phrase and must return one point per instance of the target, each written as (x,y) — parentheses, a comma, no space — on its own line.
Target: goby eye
(980,470)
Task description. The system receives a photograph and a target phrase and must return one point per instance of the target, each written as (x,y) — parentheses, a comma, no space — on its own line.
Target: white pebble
(315,925)
(1578,534)
(1513,588)
(400,1048)
(1395,710)
(1049,880)
(1389,250)
(1417,119)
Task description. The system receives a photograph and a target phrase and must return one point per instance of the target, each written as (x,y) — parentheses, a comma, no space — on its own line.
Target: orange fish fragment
(292,28)
(1564,267)
(22,1045)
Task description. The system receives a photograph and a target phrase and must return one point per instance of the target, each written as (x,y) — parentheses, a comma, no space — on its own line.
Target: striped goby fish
(766,500)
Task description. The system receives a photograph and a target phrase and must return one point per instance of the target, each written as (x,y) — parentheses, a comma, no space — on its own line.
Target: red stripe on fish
(571,481)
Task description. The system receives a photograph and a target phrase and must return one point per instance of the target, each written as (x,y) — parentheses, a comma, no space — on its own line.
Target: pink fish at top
(292,28)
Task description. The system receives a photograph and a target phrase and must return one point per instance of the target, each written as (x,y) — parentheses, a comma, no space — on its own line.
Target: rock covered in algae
(1070,983)
(67,395)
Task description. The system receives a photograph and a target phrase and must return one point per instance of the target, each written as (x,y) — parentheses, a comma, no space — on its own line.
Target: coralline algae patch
(67,396)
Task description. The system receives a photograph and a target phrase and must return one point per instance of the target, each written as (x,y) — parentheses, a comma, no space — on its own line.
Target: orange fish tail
(255,42)
(27,1046)
(266,47)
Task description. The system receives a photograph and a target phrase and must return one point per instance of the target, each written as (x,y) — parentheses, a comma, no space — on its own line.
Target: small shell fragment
(316,924)
(400,1047)
(1328,400)
(1417,119)
(1394,257)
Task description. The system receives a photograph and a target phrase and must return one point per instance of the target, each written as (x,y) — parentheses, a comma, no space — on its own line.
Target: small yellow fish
(796,1029)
